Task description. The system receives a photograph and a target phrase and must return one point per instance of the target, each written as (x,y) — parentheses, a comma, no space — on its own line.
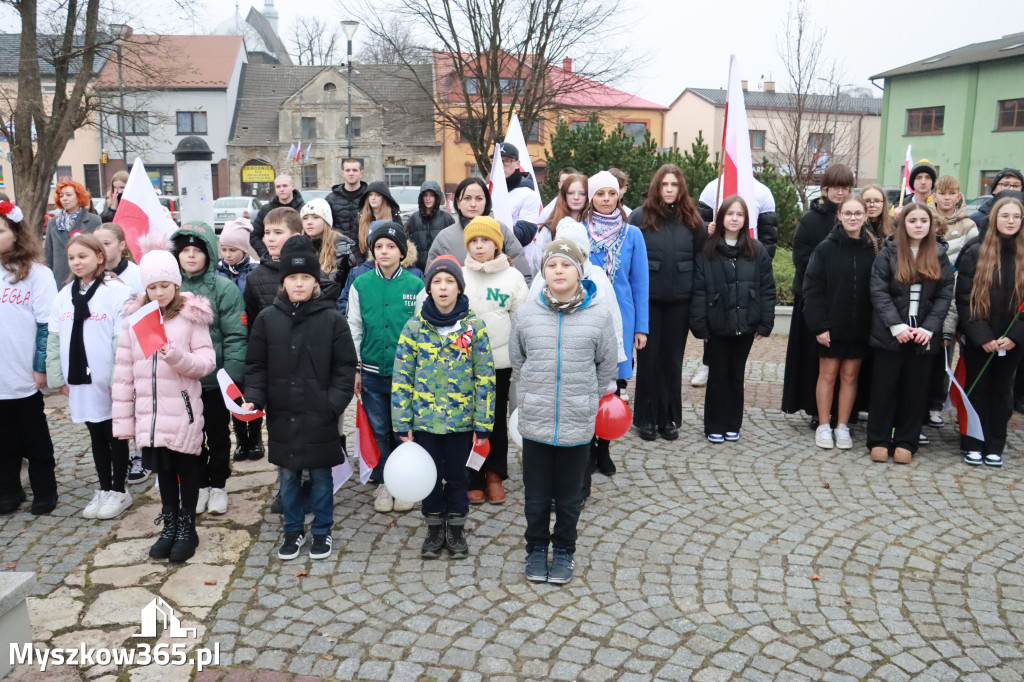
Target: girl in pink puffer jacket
(157,399)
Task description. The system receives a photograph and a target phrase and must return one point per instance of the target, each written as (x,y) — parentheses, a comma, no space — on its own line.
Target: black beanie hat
(923,166)
(445,263)
(299,256)
(393,231)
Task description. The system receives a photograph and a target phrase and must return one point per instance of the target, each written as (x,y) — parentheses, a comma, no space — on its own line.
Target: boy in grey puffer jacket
(559,334)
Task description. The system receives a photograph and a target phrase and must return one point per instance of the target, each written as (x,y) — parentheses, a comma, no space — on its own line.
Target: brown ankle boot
(902,456)
(495,491)
(879,454)
(476,496)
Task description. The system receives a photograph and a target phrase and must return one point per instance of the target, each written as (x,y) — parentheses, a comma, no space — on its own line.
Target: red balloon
(613,417)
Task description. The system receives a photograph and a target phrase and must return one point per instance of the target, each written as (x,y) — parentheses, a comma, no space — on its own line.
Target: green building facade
(962,110)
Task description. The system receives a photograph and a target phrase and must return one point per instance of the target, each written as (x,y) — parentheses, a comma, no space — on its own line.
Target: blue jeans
(323,500)
(376,397)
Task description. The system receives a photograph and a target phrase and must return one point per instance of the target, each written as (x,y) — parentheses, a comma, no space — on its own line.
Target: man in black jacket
(1006,179)
(285,195)
(346,198)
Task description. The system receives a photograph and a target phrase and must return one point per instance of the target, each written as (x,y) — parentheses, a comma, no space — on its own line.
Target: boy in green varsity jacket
(443,393)
(380,302)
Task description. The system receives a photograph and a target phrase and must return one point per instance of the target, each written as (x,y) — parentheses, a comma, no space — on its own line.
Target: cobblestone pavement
(765,559)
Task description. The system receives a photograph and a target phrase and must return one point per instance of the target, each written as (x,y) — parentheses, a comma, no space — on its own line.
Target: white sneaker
(823,437)
(700,378)
(401,506)
(204,499)
(382,500)
(843,440)
(94,505)
(218,503)
(114,504)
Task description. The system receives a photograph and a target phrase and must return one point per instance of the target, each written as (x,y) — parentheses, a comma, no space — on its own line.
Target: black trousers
(216,454)
(659,366)
(24,434)
(497,459)
(449,452)
(723,399)
(992,397)
(109,454)
(179,479)
(552,472)
(899,396)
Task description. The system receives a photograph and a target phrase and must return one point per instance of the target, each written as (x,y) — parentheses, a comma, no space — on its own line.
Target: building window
(405,176)
(757,140)
(987,176)
(64,174)
(308,126)
(133,124)
(819,142)
(470,129)
(534,135)
(576,125)
(191,122)
(926,121)
(510,86)
(309,178)
(330,87)
(634,129)
(471,87)
(1011,114)
(355,124)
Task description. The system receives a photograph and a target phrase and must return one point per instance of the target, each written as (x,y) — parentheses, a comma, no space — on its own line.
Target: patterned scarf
(557,306)
(607,233)
(66,221)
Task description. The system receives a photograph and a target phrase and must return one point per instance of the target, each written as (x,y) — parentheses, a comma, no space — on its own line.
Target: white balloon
(410,474)
(513,428)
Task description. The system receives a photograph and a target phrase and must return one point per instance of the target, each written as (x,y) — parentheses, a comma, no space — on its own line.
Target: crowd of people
(443,325)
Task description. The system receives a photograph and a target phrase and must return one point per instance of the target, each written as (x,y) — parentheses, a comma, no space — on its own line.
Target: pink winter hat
(159,266)
(236,234)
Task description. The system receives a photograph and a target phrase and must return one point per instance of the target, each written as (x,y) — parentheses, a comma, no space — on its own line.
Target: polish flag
(148,324)
(970,422)
(515,136)
(908,164)
(139,212)
(341,472)
(366,446)
(229,391)
(738,171)
(501,207)
(298,151)
(481,448)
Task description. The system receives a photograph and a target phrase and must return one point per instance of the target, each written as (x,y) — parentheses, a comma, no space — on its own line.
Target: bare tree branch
(315,41)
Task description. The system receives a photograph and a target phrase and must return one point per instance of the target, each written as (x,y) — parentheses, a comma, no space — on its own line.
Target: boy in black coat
(300,367)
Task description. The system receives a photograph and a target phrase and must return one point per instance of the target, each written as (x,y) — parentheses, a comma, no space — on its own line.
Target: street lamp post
(350,27)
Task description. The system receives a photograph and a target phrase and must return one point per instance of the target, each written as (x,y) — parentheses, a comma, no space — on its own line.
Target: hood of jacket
(519,179)
(340,189)
(408,262)
(296,202)
(382,189)
(196,310)
(209,240)
(435,187)
(823,206)
(839,236)
(495,265)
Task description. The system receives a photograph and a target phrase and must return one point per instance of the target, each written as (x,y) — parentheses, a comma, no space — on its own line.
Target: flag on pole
(515,136)
(738,171)
(139,212)
(501,207)
(229,391)
(148,324)
(366,445)
(308,147)
(478,454)
(970,422)
(908,164)
(298,151)
(291,152)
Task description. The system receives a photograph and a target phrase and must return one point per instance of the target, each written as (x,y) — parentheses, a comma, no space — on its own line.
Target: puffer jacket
(1003,306)
(837,286)
(256,236)
(562,363)
(814,226)
(495,291)
(452,241)
(228,330)
(157,401)
(733,294)
(300,367)
(671,252)
(408,263)
(424,226)
(960,229)
(239,272)
(345,209)
(440,387)
(890,300)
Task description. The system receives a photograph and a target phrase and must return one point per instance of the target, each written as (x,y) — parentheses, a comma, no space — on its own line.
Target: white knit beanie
(601,180)
(318,207)
(575,232)
(159,266)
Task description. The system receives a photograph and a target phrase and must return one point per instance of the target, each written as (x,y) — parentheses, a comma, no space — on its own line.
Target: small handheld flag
(229,391)
(478,455)
(366,445)
(148,324)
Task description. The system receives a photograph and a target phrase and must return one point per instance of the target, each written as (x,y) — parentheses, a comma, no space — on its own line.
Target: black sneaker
(257,451)
(455,538)
(42,506)
(647,432)
(291,545)
(136,472)
(434,543)
(241,453)
(537,564)
(321,547)
(562,564)
(669,431)
(923,439)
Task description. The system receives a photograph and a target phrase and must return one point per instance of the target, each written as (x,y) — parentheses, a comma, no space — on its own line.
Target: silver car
(227,209)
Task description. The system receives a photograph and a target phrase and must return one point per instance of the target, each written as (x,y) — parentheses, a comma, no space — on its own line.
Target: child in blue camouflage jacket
(443,393)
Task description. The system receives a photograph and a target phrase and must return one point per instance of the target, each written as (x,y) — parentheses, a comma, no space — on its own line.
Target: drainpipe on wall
(856,171)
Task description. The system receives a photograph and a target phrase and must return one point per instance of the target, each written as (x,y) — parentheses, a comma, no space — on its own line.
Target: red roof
(174,62)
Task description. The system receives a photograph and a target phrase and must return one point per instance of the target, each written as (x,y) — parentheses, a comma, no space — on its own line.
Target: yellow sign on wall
(257,174)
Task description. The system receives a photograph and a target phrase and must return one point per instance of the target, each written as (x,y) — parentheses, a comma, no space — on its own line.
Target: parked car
(227,209)
(310,194)
(173,204)
(408,200)
(973,205)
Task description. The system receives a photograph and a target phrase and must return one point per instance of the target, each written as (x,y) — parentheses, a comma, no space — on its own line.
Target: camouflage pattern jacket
(443,384)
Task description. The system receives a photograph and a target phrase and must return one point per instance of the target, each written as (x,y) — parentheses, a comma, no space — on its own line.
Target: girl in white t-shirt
(120,260)
(27,291)
(80,351)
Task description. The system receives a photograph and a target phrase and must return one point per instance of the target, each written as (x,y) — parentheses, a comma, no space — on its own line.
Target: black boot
(242,444)
(434,543)
(604,459)
(186,539)
(455,537)
(256,450)
(161,549)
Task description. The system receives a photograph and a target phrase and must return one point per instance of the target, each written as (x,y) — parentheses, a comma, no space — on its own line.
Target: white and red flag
(229,391)
(366,445)
(515,137)
(139,212)
(738,167)
(478,455)
(148,324)
(501,207)
(970,422)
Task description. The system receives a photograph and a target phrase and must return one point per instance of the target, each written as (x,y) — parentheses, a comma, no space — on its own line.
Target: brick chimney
(567,64)
(769,86)
(743,84)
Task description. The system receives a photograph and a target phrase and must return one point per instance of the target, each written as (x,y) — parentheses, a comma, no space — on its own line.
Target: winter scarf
(120,267)
(440,320)
(557,306)
(607,233)
(65,221)
(512,181)
(78,363)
